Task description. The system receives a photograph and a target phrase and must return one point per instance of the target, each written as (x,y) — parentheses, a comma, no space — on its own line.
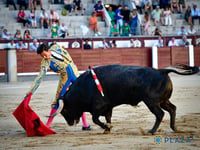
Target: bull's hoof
(107,131)
(151,132)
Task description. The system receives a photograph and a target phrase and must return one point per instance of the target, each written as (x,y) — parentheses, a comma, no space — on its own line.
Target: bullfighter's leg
(166,105)
(157,111)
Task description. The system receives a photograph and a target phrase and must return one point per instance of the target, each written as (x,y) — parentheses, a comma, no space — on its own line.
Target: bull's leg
(108,120)
(166,105)
(96,120)
(157,111)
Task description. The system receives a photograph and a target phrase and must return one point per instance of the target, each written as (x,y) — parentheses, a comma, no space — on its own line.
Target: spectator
(146,21)
(18,35)
(78,6)
(139,5)
(30,4)
(54,30)
(156,32)
(34,45)
(167,16)
(23,3)
(174,4)
(113,44)
(93,24)
(87,45)
(181,4)
(126,30)
(111,13)
(132,43)
(5,35)
(159,42)
(20,45)
(119,17)
(195,14)
(182,31)
(184,41)
(148,6)
(126,14)
(192,31)
(157,15)
(27,35)
(54,17)
(68,5)
(172,42)
(63,30)
(11,2)
(104,44)
(155,3)
(44,19)
(114,31)
(188,15)
(135,22)
(98,8)
(32,19)
(11,44)
(164,3)
(35,4)
(22,17)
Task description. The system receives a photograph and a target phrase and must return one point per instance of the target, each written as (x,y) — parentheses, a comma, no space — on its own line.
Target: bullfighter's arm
(38,79)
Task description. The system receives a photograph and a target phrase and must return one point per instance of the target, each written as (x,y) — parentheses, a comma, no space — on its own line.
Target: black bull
(122,85)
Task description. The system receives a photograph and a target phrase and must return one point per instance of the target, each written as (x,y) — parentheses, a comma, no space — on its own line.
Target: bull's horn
(60,107)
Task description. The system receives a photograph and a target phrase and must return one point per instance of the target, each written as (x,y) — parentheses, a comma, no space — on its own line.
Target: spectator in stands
(126,30)
(27,35)
(157,32)
(181,3)
(63,30)
(167,16)
(126,14)
(32,19)
(146,21)
(35,4)
(78,6)
(113,44)
(22,17)
(54,30)
(5,35)
(114,31)
(139,4)
(93,24)
(182,31)
(87,45)
(18,35)
(54,17)
(44,19)
(68,5)
(148,6)
(184,41)
(192,31)
(195,13)
(155,3)
(157,15)
(104,44)
(175,4)
(11,2)
(111,13)
(30,4)
(164,3)
(159,42)
(20,45)
(11,44)
(34,45)
(23,3)
(132,43)
(135,22)
(98,8)
(119,17)
(172,42)
(188,15)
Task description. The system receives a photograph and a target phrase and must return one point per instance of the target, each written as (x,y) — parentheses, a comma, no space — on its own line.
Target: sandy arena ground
(127,121)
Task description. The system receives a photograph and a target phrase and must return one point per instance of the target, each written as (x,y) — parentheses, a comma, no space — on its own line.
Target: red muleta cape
(29,120)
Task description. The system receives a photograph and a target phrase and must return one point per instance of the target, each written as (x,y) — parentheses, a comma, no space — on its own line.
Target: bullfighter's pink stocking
(53,110)
(84,120)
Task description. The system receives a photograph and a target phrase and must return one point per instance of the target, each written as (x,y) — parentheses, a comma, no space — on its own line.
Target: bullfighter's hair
(41,48)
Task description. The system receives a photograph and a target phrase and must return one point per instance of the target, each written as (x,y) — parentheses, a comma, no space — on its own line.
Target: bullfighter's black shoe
(86,128)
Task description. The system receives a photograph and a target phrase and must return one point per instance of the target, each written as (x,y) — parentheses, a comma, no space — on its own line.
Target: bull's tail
(187,70)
